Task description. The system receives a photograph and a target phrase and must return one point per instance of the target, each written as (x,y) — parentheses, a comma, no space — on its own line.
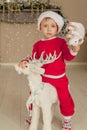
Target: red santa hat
(55,16)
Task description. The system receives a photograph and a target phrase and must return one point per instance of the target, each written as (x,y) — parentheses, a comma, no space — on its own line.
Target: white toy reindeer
(43,95)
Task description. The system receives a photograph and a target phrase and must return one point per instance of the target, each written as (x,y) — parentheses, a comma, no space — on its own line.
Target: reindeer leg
(47,117)
(35,118)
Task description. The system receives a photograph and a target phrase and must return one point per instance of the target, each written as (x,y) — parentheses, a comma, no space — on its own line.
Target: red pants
(65,99)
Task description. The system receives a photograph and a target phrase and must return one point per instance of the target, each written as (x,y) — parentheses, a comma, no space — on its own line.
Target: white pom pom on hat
(55,16)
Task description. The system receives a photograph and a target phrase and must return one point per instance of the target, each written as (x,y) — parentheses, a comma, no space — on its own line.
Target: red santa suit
(56,70)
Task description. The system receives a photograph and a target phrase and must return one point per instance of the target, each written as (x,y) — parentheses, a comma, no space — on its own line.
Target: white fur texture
(77,33)
(43,95)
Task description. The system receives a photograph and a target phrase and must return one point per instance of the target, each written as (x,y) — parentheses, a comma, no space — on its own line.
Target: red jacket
(49,46)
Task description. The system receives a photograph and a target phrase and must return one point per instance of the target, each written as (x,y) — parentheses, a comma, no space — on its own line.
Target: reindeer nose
(26,66)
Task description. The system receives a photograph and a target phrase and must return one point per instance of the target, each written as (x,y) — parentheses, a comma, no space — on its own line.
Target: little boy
(50,25)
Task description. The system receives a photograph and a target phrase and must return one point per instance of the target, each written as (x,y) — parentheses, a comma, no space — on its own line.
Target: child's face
(48,28)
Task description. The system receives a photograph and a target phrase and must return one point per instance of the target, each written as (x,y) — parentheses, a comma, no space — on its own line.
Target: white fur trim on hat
(56,17)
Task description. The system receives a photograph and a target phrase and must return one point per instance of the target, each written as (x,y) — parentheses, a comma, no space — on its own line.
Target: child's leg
(66,123)
(64,96)
(65,99)
(66,104)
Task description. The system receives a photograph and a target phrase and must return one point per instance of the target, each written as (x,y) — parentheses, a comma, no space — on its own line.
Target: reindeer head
(34,65)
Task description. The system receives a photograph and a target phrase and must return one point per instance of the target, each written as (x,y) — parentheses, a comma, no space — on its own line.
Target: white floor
(14,93)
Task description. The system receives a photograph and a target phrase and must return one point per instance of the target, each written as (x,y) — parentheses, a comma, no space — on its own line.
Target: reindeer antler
(49,58)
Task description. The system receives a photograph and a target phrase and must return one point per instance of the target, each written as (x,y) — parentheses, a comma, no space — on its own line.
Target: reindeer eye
(75,41)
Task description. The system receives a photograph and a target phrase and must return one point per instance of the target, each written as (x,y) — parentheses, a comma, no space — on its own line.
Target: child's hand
(75,48)
(23,64)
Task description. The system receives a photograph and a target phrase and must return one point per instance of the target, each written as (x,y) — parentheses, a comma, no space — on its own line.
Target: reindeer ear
(41,70)
(37,69)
